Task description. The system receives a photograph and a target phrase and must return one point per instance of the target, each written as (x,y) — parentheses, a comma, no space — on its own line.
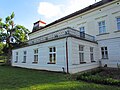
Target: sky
(29,11)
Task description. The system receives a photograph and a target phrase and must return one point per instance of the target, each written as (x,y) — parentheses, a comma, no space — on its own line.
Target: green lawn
(24,79)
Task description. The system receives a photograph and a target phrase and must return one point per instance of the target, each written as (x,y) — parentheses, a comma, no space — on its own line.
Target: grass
(25,79)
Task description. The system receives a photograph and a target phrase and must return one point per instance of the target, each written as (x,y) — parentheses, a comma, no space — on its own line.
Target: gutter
(67,55)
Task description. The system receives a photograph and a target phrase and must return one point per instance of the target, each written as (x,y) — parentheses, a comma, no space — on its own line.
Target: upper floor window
(104,52)
(16,57)
(118,23)
(102,27)
(24,56)
(82,29)
(35,56)
(52,55)
(82,32)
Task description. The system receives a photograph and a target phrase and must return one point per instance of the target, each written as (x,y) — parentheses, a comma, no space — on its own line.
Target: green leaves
(7,19)
(12,15)
(17,31)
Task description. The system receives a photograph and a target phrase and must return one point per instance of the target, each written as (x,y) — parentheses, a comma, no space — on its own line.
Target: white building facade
(83,40)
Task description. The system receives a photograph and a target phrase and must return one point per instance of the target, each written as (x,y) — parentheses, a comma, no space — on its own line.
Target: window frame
(92,54)
(82,31)
(118,23)
(24,56)
(102,27)
(52,55)
(35,56)
(81,54)
(16,57)
(104,52)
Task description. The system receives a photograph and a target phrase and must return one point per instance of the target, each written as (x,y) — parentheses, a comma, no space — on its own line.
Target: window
(52,55)
(81,54)
(91,54)
(82,32)
(35,56)
(102,27)
(104,52)
(82,29)
(118,23)
(24,56)
(16,57)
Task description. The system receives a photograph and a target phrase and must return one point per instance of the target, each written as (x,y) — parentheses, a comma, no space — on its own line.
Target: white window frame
(35,55)
(16,57)
(81,54)
(92,54)
(104,52)
(118,23)
(24,56)
(102,27)
(82,32)
(52,55)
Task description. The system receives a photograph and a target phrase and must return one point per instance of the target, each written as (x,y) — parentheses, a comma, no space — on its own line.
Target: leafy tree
(8,29)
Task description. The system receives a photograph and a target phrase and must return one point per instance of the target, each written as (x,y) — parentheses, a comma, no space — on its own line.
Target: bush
(94,77)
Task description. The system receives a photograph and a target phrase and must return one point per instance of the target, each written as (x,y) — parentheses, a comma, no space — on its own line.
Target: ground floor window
(52,55)
(81,54)
(104,52)
(91,54)
(81,57)
(35,56)
(16,59)
(24,56)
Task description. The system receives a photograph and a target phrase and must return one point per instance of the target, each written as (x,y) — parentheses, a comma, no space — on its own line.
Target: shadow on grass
(25,79)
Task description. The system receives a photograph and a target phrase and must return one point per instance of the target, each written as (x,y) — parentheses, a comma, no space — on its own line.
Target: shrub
(92,76)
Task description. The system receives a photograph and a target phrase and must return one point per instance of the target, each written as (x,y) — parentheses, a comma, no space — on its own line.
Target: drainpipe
(67,55)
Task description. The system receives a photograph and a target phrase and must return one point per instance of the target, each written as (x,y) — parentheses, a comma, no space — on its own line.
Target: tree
(8,29)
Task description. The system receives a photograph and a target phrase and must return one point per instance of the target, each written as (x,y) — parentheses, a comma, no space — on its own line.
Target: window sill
(75,64)
(102,34)
(15,62)
(82,62)
(116,31)
(104,58)
(23,62)
(51,63)
(93,61)
(34,62)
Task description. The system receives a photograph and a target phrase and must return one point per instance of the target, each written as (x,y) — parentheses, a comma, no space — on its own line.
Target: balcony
(66,32)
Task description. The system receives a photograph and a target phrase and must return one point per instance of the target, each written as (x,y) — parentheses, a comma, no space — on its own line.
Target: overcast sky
(29,11)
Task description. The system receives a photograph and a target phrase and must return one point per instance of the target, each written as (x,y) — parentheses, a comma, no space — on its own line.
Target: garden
(106,76)
(13,78)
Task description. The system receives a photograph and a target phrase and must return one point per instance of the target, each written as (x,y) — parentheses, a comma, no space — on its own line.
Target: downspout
(67,55)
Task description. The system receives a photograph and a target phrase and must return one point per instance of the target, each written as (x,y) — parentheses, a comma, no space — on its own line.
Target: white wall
(43,55)
(113,46)
(74,63)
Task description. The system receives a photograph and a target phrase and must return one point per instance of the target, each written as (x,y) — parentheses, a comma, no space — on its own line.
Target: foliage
(8,28)
(93,76)
(25,79)
(1,47)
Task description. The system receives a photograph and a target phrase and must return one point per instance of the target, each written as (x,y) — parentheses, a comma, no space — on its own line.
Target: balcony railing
(66,32)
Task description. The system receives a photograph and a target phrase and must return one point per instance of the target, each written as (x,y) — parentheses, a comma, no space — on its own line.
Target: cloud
(49,10)
(52,11)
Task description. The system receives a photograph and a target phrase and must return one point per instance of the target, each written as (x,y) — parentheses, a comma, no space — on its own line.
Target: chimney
(37,25)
